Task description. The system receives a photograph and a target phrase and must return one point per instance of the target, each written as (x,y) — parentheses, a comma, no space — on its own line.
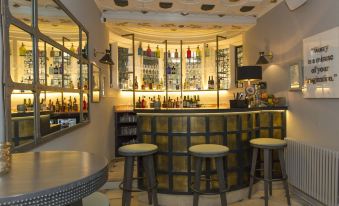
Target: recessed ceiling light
(144,11)
(184,13)
(16,5)
(121,3)
(165,5)
(247,8)
(207,7)
(221,15)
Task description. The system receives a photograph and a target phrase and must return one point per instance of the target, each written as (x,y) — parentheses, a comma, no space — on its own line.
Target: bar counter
(175,130)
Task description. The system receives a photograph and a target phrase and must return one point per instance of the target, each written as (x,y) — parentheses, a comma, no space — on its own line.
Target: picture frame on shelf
(296,76)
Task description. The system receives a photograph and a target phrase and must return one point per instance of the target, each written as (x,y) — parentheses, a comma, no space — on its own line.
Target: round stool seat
(95,199)
(269,143)
(138,149)
(208,150)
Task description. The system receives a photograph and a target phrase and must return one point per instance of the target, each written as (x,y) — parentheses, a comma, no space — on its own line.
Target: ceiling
(188,20)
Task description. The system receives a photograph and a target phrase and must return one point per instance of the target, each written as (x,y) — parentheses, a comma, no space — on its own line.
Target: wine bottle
(140,50)
(176,54)
(207,51)
(198,52)
(189,53)
(158,52)
(149,51)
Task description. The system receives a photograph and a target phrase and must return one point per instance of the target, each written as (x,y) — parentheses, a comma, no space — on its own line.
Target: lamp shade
(262,59)
(249,73)
(107,59)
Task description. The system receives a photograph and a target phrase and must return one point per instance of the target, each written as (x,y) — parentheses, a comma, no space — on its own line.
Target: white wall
(98,136)
(282,31)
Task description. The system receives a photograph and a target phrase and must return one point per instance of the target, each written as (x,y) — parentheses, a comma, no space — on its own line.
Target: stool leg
(150,172)
(284,175)
(270,171)
(198,165)
(254,162)
(266,174)
(128,180)
(221,177)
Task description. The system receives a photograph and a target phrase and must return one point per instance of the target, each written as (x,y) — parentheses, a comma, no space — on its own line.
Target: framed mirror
(296,76)
(96,83)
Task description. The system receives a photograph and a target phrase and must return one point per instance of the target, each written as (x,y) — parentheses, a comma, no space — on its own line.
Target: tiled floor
(114,194)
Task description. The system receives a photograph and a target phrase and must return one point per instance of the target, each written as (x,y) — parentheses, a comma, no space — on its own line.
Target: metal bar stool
(268,145)
(201,152)
(145,151)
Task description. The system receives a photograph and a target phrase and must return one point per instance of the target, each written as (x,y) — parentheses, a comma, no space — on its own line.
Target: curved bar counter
(174,131)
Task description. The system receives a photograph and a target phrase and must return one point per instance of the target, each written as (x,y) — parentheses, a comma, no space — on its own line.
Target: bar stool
(145,151)
(95,199)
(268,145)
(201,152)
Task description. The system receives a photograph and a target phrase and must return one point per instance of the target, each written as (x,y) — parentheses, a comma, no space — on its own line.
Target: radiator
(313,170)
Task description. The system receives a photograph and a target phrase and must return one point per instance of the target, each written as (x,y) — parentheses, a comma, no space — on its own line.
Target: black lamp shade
(249,73)
(107,59)
(262,59)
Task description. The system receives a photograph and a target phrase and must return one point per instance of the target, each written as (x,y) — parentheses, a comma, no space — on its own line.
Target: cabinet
(125,129)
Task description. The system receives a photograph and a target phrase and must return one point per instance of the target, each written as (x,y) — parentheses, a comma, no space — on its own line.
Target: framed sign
(321,65)
(296,77)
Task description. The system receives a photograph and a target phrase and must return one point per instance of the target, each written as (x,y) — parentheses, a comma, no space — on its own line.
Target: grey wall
(97,137)
(282,31)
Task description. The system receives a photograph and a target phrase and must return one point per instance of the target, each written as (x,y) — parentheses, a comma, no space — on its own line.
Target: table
(52,178)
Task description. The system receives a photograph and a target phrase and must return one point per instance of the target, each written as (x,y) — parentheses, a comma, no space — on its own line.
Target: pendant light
(107,59)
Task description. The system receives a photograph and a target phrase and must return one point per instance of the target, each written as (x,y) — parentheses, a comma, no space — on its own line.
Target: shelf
(173,91)
(132,135)
(126,123)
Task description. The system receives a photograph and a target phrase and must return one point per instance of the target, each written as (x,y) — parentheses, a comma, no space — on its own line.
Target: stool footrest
(270,180)
(121,186)
(208,193)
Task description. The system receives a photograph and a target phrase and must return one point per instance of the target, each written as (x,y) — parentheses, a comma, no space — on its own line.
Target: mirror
(55,23)
(96,83)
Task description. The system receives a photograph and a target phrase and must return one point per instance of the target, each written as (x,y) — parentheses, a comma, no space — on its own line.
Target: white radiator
(313,170)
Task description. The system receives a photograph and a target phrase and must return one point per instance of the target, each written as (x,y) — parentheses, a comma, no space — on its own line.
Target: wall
(98,136)
(282,31)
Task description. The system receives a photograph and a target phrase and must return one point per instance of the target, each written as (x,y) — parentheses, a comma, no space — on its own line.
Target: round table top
(52,178)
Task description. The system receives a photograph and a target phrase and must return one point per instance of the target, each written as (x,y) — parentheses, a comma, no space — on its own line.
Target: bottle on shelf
(168,54)
(157,53)
(209,82)
(138,103)
(52,52)
(212,83)
(207,51)
(189,53)
(198,52)
(72,49)
(136,85)
(176,54)
(149,51)
(86,84)
(22,50)
(57,105)
(140,50)
(75,105)
(84,104)
(51,69)
(63,106)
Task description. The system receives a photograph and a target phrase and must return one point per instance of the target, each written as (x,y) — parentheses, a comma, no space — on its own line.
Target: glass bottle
(52,52)
(158,52)
(207,51)
(149,51)
(176,54)
(169,54)
(189,53)
(72,48)
(22,50)
(140,50)
(198,52)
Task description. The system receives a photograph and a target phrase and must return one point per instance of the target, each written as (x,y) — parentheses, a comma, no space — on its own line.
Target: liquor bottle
(143,85)
(61,69)
(63,107)
(75,105)
(164,105)
(212,83)
(84,104)
(198,52)
(52,52)
(189,53)
(161,84)
(78,83)
(71,85)
(177,86)
(148,51)
(69,105)
(72,49)
(50,105)
(56,70)
(157,52)
(143,103)
(180,102)
(51,69)
(138,103)
(198,101)
(57,105)
(209,82)
(176,54)
(169,54)
(207,51)
(140,50)
(184,103)
(43,106)
(150,85)
(22,50)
